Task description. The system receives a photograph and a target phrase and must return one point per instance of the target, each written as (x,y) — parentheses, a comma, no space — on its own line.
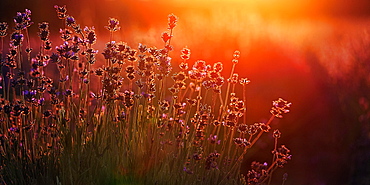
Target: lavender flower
(44,26)
(23,20)
(166,37)
(17,39)
(214,140)
(44,34)
(172,20)
(61,11)
(3,29)
(113,25)
(70,21)
(279,107)
(91,36)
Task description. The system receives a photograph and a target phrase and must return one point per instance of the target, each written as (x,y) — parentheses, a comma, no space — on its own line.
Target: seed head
(236,55)
(277,133)
(244,81)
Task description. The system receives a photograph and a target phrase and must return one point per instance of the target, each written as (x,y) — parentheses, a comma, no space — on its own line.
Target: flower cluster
(211,160)
(235,111)
(44,35)
(17,39)
(258,172)
(280,107)
(3,29)
(23,20)
(282,155)
(152,125)
(242,142)
(113,25)
(61,11)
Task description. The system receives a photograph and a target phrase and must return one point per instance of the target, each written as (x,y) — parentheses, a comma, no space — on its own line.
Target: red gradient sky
(291,49)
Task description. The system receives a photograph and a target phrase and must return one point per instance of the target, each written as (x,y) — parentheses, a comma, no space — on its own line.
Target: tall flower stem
(28,46)
(273,158)
(1,69)
(228,90)
(245,104)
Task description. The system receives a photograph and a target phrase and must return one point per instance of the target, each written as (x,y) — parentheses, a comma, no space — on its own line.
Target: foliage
(132,120)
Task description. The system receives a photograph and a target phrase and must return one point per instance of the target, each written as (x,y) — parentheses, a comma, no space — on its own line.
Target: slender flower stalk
(3,33)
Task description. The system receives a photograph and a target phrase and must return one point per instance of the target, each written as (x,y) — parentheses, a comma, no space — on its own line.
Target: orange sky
(289,48)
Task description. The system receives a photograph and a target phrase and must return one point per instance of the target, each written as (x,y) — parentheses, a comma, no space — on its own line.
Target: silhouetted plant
(144,122)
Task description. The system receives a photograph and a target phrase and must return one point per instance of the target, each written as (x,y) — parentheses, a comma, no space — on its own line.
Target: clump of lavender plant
(141,122)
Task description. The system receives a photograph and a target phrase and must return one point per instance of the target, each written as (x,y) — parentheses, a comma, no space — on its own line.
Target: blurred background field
(313,53)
